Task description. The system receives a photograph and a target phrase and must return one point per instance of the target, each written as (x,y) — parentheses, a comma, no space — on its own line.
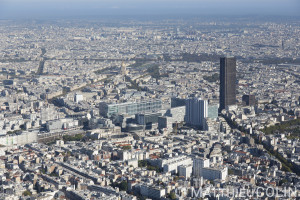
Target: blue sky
(60,8)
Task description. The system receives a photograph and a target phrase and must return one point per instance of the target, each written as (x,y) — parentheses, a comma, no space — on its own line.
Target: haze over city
(91,8)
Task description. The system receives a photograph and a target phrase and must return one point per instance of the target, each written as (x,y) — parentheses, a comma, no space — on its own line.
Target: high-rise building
(227,82)
(198,165)
(176,102)
(248,100)
(196,112)
(185,171)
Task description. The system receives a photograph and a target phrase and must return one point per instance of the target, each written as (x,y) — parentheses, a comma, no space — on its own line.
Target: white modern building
(215,173)
(171,164)
(152,192)
(133,163)
(13,140)
(185,171)
(78,98)
(198,165)
(61,124)
(196,112)
(130,108)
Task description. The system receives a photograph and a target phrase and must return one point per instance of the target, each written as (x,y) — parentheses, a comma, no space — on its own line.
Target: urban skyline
(150,106)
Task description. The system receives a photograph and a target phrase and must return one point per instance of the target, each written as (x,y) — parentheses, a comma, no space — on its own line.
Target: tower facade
(227,82)
(196,112)
(248,100)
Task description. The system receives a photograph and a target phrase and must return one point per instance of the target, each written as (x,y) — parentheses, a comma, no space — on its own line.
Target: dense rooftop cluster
(96,111)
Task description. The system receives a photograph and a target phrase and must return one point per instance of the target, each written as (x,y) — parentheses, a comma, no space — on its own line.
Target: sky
(78,8)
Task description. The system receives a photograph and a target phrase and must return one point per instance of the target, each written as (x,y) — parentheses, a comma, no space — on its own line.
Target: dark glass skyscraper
(227,82)
(249,100)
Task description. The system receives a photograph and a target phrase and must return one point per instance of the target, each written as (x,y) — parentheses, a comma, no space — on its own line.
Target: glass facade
(133,108)
(213,111)
(147,118)
(227,82)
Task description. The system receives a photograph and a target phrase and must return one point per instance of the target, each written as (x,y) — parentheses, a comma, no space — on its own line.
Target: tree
(212,78)
(154,72)
(282,181)
(53,174)
(77,137)
(27,193)
(127,147)
(153,168)
(142,163)
(123,186)
(290,126)
(175,178)
(230,171)
(172,195)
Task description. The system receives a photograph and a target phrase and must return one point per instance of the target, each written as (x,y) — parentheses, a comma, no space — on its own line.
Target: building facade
(212,111)
(248,100)
(198,165)
(144,119)
(196,112)
(176,102)
(175,163)
(215,173)
(152,192)
(185,171)
(130,108)
(14,140)
(227,82)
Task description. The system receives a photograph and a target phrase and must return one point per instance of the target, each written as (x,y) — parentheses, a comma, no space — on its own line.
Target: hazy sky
(77,8)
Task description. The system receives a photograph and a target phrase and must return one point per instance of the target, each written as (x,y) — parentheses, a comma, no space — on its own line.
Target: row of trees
(107,69)
(292,126)
(127,147)
(154,72)
(286,165)
(212,78)
(77,137)
(134,85)
(191,57)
